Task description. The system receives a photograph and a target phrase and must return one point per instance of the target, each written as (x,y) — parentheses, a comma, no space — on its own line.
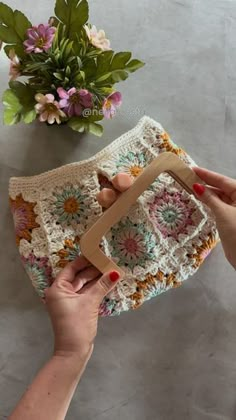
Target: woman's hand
(74,298)
(73,304)
(220,196)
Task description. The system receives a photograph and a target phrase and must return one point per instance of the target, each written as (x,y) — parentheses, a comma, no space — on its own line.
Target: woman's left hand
(73,304)
(74,299)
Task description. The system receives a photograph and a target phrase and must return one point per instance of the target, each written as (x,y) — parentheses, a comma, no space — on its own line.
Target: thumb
(210,198)
(105,284)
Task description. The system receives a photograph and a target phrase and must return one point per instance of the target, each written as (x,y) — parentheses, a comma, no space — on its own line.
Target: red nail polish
(199,189)
(114,276)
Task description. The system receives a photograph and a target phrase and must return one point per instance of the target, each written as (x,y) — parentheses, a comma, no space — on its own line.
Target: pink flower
(98,38)
(40,38)
(75,101)
(172,214)
(48,109)
(14,65)
(111,103)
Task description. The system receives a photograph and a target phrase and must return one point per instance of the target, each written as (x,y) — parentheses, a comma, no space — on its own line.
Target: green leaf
(106,91)
(21,24)
(18,48)
(90,69)
(59,35)
(6,14)
(61,10)
(82,74)
(79,62)
(120,59)
(68,50)
(19,104)
(77,124)
(68,71)
(119,75)
(119,65)
(12,111)
(13,27)
(104,61)
(53,21)
(29,116)
(10,118)
(134,65)
(73,13)
(95,129)
(8,35)
(58,76)
(81,124)
(25,95)
(104,77)
(96,115)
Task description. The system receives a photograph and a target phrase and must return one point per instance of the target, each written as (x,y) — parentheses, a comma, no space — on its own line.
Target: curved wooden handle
(90,241)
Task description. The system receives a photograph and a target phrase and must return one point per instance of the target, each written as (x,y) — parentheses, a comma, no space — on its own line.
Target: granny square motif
(162,241)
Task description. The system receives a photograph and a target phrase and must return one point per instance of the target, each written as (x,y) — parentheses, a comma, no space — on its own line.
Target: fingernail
(114,276)
(199,189)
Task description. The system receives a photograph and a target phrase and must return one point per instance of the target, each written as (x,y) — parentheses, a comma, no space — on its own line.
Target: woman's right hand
(220,196)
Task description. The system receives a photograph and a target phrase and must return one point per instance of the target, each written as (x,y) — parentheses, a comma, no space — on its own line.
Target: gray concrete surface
(174,359)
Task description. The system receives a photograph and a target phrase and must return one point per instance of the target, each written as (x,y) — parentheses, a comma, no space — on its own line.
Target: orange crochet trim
(168,145)
(150,282)
(24,218)
(203,250)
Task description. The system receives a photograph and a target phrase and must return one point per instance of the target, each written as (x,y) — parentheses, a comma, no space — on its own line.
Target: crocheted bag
(161,242)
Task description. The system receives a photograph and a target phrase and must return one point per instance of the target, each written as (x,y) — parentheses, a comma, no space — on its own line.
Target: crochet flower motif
(172,214)
(69,205)
(133,164)
(132,244)
(24,218)
(69,253)
(39,271)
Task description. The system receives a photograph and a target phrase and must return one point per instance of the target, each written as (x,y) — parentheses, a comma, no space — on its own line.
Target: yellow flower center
(74,99)
(50,108)
(135,171)
(40,42)
(71,205)
(108,104)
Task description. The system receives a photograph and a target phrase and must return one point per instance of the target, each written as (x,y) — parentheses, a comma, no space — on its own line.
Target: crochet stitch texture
(161,242)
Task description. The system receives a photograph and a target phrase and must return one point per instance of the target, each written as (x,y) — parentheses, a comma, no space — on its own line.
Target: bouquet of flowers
(70,68)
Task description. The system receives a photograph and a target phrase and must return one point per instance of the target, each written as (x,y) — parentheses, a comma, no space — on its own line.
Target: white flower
(98,38)
(14,65)
(48,109)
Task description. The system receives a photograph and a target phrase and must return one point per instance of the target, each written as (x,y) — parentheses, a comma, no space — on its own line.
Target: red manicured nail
(199,189)
(114,276)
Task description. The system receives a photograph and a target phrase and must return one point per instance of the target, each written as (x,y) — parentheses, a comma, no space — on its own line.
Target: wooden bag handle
(90,241)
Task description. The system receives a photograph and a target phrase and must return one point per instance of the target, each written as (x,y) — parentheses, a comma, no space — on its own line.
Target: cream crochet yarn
(161,242)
